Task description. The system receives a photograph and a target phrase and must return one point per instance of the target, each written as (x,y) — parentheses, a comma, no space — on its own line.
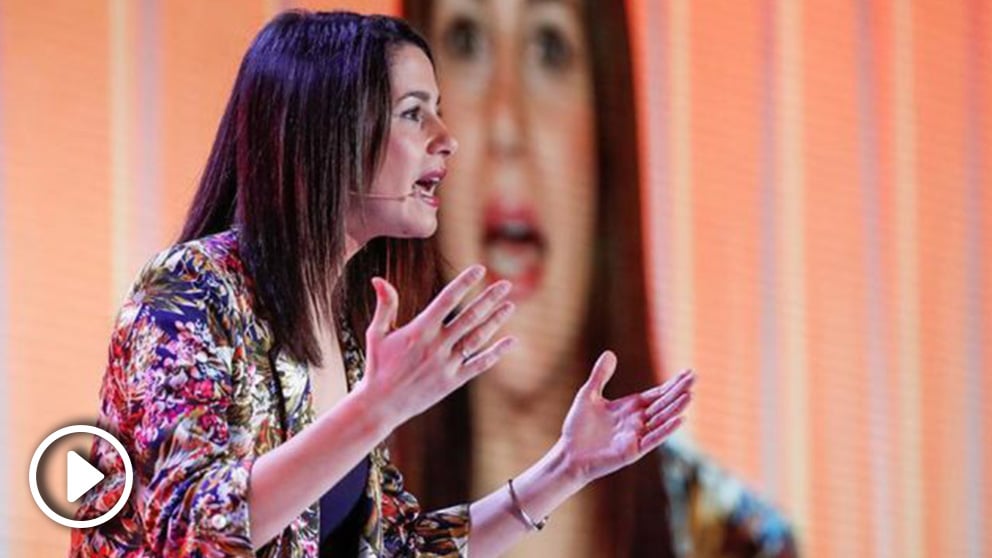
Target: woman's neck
(352,244)
(509,434)
(510,431)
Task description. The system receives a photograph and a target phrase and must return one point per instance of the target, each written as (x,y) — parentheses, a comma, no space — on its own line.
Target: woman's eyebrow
(419,94)
(570,3)
(422,95)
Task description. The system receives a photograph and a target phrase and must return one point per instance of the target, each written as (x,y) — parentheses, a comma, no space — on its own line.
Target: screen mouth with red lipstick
(514,248)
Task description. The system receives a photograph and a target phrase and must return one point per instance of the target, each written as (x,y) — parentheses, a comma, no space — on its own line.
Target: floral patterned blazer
(712,513)
(196,393)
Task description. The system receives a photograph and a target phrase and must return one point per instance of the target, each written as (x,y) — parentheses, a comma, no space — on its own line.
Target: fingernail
(477,272)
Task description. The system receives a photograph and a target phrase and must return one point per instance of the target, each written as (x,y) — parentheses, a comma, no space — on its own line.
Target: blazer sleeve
(713,513)
(410,532)
(168,394)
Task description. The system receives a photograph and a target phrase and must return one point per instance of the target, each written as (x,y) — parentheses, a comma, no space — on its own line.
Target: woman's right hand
(411,368)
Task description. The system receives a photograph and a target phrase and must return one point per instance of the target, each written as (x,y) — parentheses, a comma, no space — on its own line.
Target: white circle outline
(33,476)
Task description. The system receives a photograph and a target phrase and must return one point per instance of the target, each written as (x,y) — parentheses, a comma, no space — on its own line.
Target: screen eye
(553,50)
(463,39)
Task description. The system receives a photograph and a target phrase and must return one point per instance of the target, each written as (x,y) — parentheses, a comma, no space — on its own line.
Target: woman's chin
(428,230)
(516,379)
(424,228)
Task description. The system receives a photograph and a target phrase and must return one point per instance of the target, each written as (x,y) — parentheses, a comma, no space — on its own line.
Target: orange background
(817,176)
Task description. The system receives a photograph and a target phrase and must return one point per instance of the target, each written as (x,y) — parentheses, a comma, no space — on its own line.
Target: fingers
(386,306)
(670,410)
(451,295)
(649,395)
(664,411)
(670,391)
(478,337)
(602,371)
(486,359)
(653,438)
(477,312)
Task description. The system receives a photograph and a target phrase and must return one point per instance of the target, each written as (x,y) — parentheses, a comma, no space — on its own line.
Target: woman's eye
(412,114)
(553,50)
(463,39)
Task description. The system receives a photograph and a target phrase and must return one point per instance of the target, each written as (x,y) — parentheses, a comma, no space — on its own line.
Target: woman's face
(520,196)
(402,200)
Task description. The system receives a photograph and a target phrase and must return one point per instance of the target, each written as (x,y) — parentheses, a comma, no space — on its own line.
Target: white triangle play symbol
(80,476)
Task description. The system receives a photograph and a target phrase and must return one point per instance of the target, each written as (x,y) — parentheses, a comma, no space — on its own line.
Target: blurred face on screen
(519,197)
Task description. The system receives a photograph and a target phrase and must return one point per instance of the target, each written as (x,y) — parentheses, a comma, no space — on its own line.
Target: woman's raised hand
(413,367)
(601,436)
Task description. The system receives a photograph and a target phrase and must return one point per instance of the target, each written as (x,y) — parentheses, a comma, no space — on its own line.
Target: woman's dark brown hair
(306,123)
(435,448)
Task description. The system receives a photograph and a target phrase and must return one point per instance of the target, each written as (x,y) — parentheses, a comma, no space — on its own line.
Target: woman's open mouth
(425,188)
(425,192)
(514,248)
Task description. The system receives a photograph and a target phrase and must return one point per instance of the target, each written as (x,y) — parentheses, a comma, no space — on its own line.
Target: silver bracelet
(535,525)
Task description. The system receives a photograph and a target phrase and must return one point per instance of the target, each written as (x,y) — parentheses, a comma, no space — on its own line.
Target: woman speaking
(253,410)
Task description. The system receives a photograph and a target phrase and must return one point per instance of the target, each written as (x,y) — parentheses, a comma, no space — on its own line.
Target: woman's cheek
(463,189)
(564,141)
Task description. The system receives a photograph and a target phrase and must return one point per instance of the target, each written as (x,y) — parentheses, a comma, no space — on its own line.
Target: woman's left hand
(601,436)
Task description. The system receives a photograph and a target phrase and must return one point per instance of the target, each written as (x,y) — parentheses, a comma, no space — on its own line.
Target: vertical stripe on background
(982,58)
(974,330)
(941,45)
(725,213)
(839,461)
(6,370)
(57,215)
(769,412)
(147,201)
(651,90)
(201,45)
(875,357)
(791,278)
(135,138)
(120,130)
(682,327)
(907,312)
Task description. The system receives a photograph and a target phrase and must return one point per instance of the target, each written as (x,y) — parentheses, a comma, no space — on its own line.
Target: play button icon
(80,476)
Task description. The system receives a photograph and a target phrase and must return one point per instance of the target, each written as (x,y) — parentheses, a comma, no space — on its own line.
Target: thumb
(386,307)
(602,371)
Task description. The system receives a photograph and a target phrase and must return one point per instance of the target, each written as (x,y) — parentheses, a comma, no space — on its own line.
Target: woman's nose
(506,127)
(443,143)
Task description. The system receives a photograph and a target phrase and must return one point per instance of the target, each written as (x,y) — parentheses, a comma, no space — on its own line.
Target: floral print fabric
(195,392)
(714,514)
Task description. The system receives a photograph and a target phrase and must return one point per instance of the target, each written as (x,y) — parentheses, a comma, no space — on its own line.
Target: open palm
(605,435)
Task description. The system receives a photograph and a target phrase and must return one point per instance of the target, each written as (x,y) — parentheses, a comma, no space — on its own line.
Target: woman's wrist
(371,416)
(565,467)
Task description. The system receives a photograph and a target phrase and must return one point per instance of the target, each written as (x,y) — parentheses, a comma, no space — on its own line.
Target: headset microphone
(384,196)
